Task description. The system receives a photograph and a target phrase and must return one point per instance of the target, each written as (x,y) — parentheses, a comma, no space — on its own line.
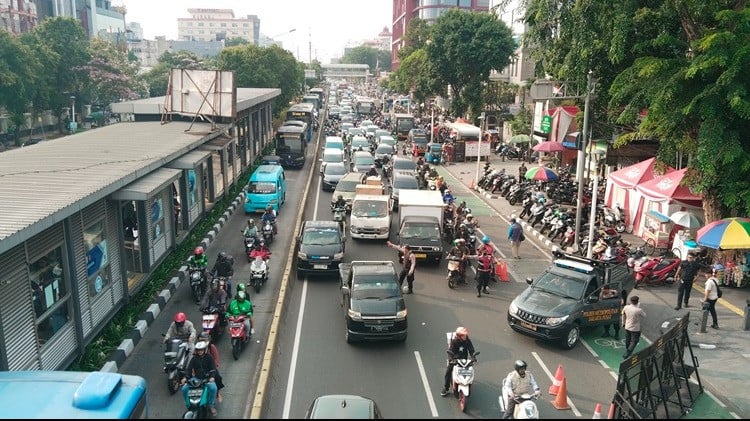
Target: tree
(19,73)
(464,47)
(416,37)
(235,41)
(416,75)
(367,55)
(111,76)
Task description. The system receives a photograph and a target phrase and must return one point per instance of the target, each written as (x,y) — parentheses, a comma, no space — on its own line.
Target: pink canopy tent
(665,195)
(621,183)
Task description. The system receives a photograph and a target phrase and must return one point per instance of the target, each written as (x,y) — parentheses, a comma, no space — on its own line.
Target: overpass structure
(350,72)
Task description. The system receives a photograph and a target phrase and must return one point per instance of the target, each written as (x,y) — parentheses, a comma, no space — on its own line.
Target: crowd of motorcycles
(549,207)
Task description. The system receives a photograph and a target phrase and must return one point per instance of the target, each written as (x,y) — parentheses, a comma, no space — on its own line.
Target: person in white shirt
(711,296)
(632,315)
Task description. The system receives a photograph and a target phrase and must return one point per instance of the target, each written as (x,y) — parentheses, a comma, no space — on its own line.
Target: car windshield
(321,237)
(564,287)
(261,187)
(420,231)
(370,209)
(364,160)
(404,164)
(335,170)
(383,149)
(374,287)
(333,157)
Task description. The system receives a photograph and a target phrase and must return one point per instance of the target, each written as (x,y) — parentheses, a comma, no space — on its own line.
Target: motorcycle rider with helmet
(250,230)
(518,382)
(460,250)
(260,249)
(270,217)
(486,246)
(340,202)
(201,366)
(224,267)
(460,347)
(372,172)
(242,305)
(215,297)
(448,197)
(198,260)
(213,351)
(181,328)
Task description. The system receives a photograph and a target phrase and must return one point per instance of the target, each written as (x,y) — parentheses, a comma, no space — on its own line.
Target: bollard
(747,314)
(704,318)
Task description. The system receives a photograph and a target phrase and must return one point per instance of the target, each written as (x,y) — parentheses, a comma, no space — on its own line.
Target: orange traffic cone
(561,401)
(559,376)
(611,413)
(597,412)
(471,185)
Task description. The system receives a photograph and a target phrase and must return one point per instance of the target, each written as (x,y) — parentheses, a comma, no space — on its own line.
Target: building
(217,25)
(17,16)
(521,68)
(71,262)
(406,10)
(98,17)
(148,51)
(381,42)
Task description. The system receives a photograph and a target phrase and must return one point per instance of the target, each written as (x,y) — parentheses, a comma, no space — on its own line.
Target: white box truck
(421,223)
(371,216)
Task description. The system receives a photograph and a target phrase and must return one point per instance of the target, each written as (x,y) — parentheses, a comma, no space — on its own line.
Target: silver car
(332,173)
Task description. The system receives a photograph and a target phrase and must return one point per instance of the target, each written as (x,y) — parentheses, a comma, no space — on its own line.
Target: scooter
(258,270)
(240,336)
(249,245)
(197,398)
(176,358)
(339,215)
(525,406)
(267,232)
(655,271)
(454,271)
(212,322)
(198,283)
(463,375)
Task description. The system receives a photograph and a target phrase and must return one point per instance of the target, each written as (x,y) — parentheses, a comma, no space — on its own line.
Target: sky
(327,25)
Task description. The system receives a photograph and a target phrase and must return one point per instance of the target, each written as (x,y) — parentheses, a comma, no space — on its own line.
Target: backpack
(718,290)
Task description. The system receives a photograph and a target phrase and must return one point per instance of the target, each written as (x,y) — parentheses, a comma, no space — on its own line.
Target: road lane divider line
(426,384)
(551,377)
(295,354)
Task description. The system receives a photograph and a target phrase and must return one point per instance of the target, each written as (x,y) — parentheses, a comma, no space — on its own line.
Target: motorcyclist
(224,267)
(242,305)
(215,297)
(260,249)
(198,260)
(486,246)
(181,328)
(339,203)
(460,347)
(202,365)
(460,251)
(270,217)
(518,382)
(448,197)
(471,222)
(250,230)
(213,351)
(372,172)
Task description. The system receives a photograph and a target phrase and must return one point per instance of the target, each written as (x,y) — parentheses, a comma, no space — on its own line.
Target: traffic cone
(559,376)
(611,413)
(471,185)
(561,400)
(597,412)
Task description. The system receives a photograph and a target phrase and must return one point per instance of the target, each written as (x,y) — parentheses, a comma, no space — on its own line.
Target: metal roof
(246,98)
(45,183)
(146,187)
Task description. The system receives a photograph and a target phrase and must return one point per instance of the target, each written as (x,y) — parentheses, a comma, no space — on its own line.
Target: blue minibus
(267,186)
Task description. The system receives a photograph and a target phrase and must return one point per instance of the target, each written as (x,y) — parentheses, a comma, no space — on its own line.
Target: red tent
(667,188)
(633,175)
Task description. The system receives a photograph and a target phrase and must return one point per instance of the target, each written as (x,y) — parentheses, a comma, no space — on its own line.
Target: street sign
(546,124)
(309,74)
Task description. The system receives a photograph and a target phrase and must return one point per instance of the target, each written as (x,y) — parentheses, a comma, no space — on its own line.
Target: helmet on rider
(250,222)
(340,197)
(520,365)
(222,255)
(241,296)
(204,336)
(198,252)
(469,216)
(180,318)
(462,333)
(269,208)
(201,346)
(486,240)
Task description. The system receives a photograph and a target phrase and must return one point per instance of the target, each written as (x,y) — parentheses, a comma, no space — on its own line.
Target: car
(358,141)
(383,153)
(388,140)
(347,187)
(320,248)
(343,407)
(402,180)
(332,174)
(334,142)
(331,155)
(362,161)
(379,133)
(373,302)
(402,163)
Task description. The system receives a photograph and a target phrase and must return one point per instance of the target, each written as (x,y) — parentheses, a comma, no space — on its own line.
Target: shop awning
(667,187)
(148,186)
(190,160)
(633,175)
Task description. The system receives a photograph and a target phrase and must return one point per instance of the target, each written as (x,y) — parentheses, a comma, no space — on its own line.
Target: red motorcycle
(655,270)
(213,322)
(239,335)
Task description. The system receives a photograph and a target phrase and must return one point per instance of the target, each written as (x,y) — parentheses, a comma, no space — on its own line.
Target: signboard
(310,74)
(471,149)
(546,125)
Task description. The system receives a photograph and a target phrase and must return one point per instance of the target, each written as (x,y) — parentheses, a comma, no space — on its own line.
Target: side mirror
(345,290)
(529,281)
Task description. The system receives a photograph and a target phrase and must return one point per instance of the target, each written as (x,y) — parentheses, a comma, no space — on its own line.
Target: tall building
(406,10)
(17,16)
(521,67)
(217,25)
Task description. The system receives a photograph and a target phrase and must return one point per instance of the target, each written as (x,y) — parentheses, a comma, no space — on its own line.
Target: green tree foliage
(416,75)
(157,79)
(416,37)
(112,77)
(235,41)
(464,47)
(372,57)
(19,73)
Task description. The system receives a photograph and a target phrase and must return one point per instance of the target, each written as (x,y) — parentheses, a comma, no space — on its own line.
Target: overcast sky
(328,24)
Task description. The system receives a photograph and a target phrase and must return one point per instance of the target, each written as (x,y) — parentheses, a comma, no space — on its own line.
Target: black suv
(320,248)
(373,303)
(402,180)
(573,293)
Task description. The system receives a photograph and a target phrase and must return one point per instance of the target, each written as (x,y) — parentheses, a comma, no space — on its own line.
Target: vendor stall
(656,230)
(683,244)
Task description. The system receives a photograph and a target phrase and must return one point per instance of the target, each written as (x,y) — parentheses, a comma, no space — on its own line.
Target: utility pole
(582,157)
(309,44)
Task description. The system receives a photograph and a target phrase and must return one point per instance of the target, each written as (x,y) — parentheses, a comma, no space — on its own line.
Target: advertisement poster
(96,258)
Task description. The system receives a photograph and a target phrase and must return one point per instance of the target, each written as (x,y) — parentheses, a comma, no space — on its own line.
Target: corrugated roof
(246,98)
(47,182)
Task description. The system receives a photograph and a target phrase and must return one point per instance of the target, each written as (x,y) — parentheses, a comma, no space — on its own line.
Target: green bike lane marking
(462,193)
(610,350)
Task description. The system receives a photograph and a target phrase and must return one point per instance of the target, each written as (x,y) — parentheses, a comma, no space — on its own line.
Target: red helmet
(180,317)
(462,332)
(198,251)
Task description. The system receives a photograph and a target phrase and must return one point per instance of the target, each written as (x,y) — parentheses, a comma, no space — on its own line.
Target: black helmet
(222,255)
(269,208)
(520,364)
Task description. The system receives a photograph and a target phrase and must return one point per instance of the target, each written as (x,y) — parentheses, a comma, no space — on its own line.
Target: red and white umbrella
(549,146)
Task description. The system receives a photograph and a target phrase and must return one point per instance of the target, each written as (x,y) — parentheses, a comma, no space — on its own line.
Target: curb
(119,355)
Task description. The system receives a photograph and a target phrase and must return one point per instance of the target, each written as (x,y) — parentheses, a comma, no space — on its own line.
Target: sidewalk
(723,355)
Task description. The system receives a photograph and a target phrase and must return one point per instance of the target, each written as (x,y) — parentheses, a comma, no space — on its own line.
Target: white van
(371,216)
(331,155)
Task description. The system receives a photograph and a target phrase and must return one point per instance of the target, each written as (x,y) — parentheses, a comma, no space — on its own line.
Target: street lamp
(479,147)
(284,33)
(432,120)
(72,112)
(592,213)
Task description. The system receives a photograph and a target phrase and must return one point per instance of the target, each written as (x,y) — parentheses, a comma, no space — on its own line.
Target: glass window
(157,218)
(192,189)
(200,23)
(464,3)
(483,4)
(97,261)
(49,293)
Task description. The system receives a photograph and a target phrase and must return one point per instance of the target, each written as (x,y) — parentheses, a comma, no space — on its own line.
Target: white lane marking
(426,384)
(552,378)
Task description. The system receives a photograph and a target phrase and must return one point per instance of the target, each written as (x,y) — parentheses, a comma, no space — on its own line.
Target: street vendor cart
(655,232)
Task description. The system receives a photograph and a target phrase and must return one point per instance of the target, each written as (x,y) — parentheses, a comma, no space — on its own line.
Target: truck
(573,293)
(371,213)
(421,223)
(372,300)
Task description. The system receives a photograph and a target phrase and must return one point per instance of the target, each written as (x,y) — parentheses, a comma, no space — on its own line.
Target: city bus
(291,144)
(72,394)
(303,111)
(319,92)
(403,123)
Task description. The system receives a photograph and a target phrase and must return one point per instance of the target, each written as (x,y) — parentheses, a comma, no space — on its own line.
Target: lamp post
(479,148)
(72,112)
(432,120)
(592,213)
(582,157)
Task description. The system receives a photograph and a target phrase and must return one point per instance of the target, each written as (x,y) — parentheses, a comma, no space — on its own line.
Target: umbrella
(519,138)
(541,173)
(727,233)
(685,219)
(549,147)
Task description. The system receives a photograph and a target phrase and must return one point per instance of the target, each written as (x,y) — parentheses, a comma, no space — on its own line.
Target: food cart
(684,243)
(656,230)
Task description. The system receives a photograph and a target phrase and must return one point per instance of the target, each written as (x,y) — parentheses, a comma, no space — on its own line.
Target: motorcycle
(212,322)
(655,271)
(267,232)
(568,237)
(239,335)
(615,217)
(454,271)
(525,406)
(463,375)
(339,215)
(197,398)
(259,269)
(176,358)
(198,283)
(250,243)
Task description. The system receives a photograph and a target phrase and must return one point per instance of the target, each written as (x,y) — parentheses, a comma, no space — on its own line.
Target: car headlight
(338,256)
(354,315)
(383,230)
(301,255)
(401,314)
(556,321)
(513,308)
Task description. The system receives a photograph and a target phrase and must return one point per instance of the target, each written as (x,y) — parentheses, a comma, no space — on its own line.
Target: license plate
(527,325)
(379,328)
(420,255)
(195,393)
(320,266)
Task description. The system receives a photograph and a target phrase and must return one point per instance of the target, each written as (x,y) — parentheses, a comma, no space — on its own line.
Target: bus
(303,112)
(365,106)
(73,394)
(291,145)
(313,99)
(319,92)
(403,123)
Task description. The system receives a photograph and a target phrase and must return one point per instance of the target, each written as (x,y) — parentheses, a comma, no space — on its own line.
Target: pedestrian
(410,263)
(632,315)
(612,294)
(515,236)
(485,268)
(711,296)
(686,274)
(521,171)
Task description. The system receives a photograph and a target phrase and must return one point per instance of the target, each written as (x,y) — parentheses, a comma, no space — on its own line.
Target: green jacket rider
(198,259)
(242,305)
